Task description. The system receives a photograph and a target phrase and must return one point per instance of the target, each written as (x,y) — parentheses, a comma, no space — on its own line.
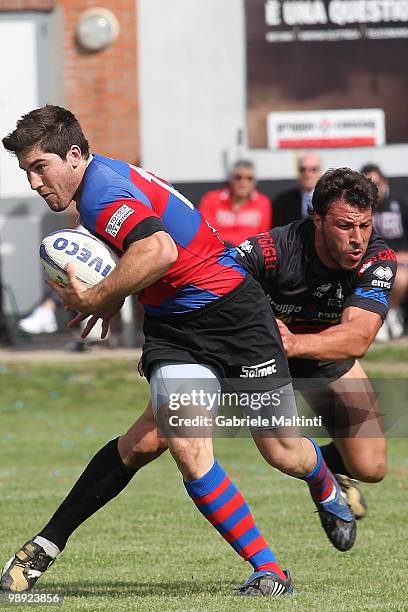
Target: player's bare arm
(402,257)
(350,339)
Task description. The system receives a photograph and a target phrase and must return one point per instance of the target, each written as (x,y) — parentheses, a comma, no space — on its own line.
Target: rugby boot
(23,570)
(337,520)
(354,495)
(267,584)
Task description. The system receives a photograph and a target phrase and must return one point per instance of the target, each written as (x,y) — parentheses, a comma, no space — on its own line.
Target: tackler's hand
(289,340)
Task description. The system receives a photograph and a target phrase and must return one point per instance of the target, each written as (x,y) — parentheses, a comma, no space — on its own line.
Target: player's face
(54,179)
(342,235)
(242,183)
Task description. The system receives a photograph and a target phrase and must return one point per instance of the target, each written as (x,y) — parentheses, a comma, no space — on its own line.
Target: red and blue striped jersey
(121,203)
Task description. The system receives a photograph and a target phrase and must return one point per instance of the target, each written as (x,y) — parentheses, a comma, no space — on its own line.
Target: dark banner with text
(326,72)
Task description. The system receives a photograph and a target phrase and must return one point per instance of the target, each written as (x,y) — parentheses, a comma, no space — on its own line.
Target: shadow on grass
(143,589)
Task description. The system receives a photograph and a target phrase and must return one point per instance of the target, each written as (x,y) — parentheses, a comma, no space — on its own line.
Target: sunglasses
(303,169)
(242,177)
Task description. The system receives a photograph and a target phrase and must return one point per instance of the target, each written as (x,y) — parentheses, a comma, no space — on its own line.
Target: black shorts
(237,335)
(311,368)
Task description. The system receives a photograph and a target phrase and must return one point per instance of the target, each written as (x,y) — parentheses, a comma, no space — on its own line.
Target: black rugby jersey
(306,295)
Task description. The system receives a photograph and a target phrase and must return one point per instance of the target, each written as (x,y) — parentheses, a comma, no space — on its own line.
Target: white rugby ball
(92,259)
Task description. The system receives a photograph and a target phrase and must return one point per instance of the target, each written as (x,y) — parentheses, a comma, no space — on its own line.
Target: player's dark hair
(343,184)
(369,168)
(51,128)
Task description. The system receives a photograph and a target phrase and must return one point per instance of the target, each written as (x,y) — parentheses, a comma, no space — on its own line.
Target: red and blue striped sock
(320,479)
(219,500)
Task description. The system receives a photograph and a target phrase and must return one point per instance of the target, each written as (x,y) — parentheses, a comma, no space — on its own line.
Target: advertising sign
(326,55)
(344,128)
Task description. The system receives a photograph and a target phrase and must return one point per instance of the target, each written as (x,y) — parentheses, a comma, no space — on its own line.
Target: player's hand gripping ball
(92,259)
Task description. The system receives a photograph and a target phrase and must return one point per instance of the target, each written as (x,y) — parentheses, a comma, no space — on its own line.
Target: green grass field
(150,549)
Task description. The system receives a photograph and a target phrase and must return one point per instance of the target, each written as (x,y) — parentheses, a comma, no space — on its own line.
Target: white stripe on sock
(332,495)
(50,548)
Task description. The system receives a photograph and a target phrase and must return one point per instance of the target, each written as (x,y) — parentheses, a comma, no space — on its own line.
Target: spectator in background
(238,210)
(43,320)
(294,204)
(391,221)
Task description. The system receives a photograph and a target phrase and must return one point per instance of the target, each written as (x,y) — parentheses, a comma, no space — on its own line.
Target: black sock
(103,479)
(333,459)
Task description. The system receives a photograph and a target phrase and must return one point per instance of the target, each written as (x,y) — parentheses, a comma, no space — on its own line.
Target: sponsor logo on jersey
(246,246)
(259,371)
(284,309)
(386,255)
(383,273)
(339,299)
(329,315)
(320,291)
(117,219)
(270,255)
(380,283)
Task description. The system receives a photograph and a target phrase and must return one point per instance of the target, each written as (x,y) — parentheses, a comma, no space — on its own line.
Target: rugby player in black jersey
(331,255)
(329,281)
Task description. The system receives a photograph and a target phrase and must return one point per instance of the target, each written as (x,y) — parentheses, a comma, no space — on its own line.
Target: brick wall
(27,5)
(100,88)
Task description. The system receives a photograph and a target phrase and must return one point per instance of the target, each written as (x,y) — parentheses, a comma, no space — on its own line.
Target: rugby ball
(92,259)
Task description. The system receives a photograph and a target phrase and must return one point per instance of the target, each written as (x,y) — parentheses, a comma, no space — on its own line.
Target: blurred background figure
(391,221)
(294,204)
(5,338)
(42,320)
(239,210)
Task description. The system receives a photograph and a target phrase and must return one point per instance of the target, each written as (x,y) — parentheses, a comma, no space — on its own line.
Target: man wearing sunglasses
(294,204)
(238,210)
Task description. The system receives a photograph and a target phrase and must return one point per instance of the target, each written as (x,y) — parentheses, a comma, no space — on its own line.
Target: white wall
(191,84)
(23,86)
(18,92)
(193,96)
